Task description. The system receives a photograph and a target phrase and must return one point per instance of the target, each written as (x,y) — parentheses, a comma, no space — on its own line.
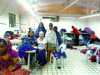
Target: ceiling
(52,7)
(66,7)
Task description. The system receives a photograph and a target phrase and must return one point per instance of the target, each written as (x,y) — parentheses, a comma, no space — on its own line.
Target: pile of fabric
(92,52)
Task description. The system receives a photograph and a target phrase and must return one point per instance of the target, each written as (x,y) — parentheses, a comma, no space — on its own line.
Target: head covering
(3,42)
(55,28)
(12,55)
(9,34)
(41,33)
(88,30)
(63,30)
(40,28)
(8,47)
(6,35)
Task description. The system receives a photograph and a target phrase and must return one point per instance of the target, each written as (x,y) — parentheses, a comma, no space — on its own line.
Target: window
(12,20)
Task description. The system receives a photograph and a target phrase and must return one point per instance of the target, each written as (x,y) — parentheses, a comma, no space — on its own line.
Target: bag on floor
(84,51)
(98,59)
(93,58)
(90,52)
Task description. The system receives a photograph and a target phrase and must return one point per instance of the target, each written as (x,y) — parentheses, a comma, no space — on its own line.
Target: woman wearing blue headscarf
(28,43)
(40,28)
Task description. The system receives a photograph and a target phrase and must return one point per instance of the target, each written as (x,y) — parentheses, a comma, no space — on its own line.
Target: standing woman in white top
(41,54)
(51,42)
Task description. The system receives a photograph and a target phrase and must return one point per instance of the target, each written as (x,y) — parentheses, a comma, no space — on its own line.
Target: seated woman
(9,61)
(28,43)
(41,54)
(7,38)
(17,34)
(9,34)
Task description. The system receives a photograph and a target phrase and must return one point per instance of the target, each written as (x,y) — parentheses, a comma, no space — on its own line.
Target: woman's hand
(6,57)
(16,60)
(11,68)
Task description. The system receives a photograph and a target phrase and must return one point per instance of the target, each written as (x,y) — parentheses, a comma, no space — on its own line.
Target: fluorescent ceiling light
(89,16)
(71,4)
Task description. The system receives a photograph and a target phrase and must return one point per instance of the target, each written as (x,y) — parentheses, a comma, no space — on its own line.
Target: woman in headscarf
(7,36)
(90,37)
(40,28)
(28,43)
(9,60)
(62,31)
(8,57)
(76,33)
(42,44)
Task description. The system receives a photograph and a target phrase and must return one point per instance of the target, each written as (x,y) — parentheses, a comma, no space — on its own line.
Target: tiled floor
(75,64)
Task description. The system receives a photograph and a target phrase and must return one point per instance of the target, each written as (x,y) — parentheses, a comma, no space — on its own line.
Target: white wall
(28,21)
(4,21)
(11,6)
(65,22)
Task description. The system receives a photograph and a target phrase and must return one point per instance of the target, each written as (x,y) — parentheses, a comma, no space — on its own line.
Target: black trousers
(76,40)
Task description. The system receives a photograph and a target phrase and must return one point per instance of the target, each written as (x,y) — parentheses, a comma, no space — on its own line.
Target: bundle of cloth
(88,30)
(94,55)
(92,52)
(88,48)
(90,37)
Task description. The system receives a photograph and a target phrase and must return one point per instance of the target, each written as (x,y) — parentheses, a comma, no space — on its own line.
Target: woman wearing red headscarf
(76,33)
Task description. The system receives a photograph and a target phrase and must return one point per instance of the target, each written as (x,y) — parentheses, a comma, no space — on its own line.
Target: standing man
(59,40)
(51,42)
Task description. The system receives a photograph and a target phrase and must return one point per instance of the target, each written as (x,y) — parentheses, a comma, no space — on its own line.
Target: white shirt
(51,37)
(41,43)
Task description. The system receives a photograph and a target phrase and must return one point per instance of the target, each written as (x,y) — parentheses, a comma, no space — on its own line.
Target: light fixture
(71,4)
(89,16)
